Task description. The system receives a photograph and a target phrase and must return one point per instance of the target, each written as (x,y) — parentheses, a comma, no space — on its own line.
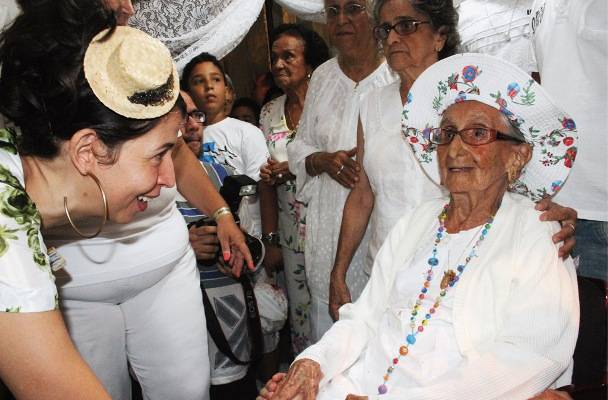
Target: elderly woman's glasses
(350,11)
(471,136)
(197,116)
(403,27)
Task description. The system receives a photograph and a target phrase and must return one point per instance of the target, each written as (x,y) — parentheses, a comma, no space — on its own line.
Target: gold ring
(572,226)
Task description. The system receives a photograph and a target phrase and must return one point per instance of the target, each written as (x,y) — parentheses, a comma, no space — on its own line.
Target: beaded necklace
(450,278)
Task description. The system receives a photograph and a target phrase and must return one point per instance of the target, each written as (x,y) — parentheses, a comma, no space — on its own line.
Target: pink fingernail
(226,255)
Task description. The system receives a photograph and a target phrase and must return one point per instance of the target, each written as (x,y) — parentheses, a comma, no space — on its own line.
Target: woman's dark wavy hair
(42,83)
(443,17)
(201,58)
(316,51)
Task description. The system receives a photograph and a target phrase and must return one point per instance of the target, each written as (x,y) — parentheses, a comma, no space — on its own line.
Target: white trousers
(153,321)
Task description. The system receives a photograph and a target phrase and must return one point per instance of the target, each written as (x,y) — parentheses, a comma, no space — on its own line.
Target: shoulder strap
(253,324)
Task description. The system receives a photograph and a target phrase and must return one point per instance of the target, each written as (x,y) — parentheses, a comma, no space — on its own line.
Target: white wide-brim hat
(506,87)
(131,73)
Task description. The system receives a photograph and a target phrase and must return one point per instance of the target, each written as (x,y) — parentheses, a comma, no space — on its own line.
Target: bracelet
(271,238)
(219,212)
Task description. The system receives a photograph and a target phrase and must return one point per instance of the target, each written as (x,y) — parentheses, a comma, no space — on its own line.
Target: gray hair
(442,15)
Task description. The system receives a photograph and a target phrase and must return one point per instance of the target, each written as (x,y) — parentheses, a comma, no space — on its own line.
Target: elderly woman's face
(465,168)
(414,52)
(350,28)
(289,67)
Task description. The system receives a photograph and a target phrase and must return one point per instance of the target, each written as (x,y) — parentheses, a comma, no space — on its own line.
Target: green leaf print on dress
(6,234)
(7,141)
(15,204)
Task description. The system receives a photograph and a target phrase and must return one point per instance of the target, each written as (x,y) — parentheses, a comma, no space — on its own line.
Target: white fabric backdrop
(311,10)
(189,27)
(8,12)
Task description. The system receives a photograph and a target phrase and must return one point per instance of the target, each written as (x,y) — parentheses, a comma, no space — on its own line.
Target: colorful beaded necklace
(449,280)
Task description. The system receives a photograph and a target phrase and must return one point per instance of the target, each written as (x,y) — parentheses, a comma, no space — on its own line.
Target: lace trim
(189,27)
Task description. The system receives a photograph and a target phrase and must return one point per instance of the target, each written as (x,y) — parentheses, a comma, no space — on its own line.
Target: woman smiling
(468,297)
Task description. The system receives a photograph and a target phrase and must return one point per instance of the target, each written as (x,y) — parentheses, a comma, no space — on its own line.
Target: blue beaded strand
(432,262)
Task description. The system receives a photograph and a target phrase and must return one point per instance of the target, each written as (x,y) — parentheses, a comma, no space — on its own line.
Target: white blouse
(329,124)
(395,176)
(511,322)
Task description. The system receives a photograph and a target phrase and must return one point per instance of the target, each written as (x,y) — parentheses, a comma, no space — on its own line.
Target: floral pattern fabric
(552,134)
(292,213)
(26,281)
(292,225)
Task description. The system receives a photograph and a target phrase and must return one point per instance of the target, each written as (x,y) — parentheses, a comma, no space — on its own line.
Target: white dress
(398,182)
(508,330)
(328,124)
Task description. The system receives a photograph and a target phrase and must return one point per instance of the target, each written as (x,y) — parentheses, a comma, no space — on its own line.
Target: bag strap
(253,324)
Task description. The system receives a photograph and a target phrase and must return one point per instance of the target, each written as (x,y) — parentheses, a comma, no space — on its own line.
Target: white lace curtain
(189,27)
(311,10)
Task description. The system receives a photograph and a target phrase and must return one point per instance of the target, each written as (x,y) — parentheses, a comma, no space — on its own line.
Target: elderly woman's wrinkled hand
(273,259)
(301,382)
(566,216)
(271,386)
(280,172)
(266,173)
(341,167)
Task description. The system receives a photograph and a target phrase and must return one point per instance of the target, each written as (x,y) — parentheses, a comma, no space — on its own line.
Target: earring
(105,209)
(309,75)
(514,170)
(511,174)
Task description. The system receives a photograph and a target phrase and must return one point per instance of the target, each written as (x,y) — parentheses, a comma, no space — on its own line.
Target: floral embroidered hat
(504,86)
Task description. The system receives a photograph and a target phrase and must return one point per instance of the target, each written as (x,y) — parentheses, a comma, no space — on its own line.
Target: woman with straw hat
(94,144)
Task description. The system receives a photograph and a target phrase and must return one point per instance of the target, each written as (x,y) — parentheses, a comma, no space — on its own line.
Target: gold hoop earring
(105,209)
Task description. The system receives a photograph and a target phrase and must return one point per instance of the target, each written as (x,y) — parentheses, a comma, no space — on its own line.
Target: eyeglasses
(350,11)
(403,27)
(472,136)
(197,116)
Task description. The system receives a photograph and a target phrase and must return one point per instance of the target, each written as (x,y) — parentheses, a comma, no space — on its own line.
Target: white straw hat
(131,73)
(510,90)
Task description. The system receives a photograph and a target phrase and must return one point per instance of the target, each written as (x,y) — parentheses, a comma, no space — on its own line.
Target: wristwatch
(271,238)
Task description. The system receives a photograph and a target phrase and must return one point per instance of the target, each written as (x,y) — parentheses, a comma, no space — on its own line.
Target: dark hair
(201,58)
(249,103)
(44,90)
(316,51)
(443,17)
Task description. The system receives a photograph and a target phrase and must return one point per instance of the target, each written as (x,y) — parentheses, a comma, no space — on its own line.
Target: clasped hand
(275,172)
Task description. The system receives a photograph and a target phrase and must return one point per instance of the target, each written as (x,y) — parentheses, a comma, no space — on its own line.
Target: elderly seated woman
(468,298)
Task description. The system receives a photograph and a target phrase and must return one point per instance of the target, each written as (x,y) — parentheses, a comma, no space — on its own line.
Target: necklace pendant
(448,277)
